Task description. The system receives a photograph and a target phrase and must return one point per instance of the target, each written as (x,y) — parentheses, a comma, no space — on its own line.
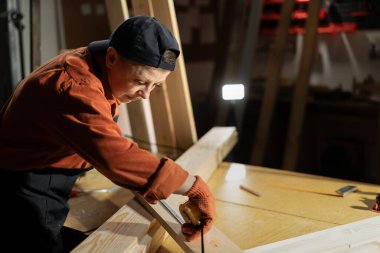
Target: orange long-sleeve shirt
(61,116)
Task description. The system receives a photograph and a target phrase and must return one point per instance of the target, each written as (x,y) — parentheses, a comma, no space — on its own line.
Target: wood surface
(301,86)
(176,83)
(207,153)
(301,195)
(281,212)
(361,236)
(89,211)
(124,238)
(137,115)
(142,7)
(201,159)
(117,12)
(274,69)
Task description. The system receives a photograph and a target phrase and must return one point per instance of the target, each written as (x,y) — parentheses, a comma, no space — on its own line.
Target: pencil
(249,190)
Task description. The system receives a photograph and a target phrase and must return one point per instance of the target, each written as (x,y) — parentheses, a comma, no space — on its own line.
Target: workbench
(290,204)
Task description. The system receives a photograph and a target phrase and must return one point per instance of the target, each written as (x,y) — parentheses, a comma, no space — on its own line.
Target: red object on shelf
(322,14)
(299,15)
(330,29)
(360,13)
(281,1)
(270,16)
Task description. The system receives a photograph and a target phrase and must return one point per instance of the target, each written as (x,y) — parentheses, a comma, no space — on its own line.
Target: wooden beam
(121,233)
(301,86)
(159,100)
(142,7)
(162,115)
(177,84)
(117,11)
(276,59)
(202,159)
(139,126)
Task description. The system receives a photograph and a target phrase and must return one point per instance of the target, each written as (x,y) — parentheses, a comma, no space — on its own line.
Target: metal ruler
(173,212)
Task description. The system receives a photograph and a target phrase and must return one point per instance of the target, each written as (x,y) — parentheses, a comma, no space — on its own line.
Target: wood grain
(275,63)
(177,83)
(201,159)
(122,230)
(320,205)
(301,86)
(361,236)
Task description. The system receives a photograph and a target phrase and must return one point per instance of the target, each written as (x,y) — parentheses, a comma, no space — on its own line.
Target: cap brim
(99,45)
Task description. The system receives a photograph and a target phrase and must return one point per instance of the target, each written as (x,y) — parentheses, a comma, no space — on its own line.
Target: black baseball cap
(142,39)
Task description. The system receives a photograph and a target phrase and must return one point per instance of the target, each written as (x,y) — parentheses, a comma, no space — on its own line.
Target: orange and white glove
(200,196)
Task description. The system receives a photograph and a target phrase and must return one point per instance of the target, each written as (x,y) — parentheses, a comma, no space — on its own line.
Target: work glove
(201,197)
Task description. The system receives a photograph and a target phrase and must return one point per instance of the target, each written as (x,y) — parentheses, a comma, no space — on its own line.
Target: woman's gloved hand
(201,197)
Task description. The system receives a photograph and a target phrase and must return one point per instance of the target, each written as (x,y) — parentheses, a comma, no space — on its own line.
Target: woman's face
(130,81)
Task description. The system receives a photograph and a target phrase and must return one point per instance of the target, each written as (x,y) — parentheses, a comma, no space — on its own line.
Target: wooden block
(121,233)
(360,236)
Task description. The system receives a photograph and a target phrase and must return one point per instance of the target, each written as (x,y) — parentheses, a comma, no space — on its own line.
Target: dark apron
(34,208)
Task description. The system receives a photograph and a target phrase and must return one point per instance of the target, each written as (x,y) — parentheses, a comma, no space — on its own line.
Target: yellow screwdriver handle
(191,213)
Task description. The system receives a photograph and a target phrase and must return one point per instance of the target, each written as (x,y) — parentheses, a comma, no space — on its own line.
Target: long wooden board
(275,63)
(121,233)
(177,84)
(202,159)
(159,100)
(361,236)
(301,86)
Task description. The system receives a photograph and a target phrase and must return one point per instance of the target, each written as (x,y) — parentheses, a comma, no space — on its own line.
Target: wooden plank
(139,126)
(301,86)
(117,11)
(163,122)
(276,59)
(177,84)
(361,236)
(142,7)
(200,159)
(209,151)
(121,233)
(159,100)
